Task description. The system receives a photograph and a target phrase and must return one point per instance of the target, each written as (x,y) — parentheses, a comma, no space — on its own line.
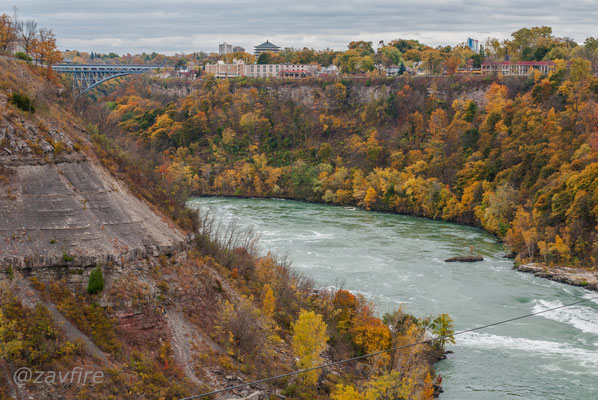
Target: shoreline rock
(572,276)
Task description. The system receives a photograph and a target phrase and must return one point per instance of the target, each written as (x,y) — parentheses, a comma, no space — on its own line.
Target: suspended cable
(242,385)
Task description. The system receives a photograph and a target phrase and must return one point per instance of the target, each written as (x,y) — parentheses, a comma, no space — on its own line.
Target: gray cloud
(186,26)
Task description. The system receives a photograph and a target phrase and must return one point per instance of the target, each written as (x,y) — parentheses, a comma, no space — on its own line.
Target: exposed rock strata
(59,208)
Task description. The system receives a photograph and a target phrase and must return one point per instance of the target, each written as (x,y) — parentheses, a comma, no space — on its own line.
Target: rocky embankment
(59,207)
(572,276)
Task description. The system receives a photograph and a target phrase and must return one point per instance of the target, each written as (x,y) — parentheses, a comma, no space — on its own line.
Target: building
(225,48)
(266,46)
(516,67)
(329,70)
(238,68)
(473,44)
(238,49)
(222,70)
(185,72)
(280,70)
(298,70)
(263,70)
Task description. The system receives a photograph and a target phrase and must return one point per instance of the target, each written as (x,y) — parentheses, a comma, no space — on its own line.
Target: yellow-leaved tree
(384,386)
(268,301)
(309,341)
(370,198)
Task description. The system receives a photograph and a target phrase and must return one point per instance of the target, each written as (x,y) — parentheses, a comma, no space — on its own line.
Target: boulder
(465,259)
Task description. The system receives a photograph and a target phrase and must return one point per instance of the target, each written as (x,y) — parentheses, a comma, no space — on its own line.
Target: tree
(442,326)
(432,60)
(343,392)
(413,55)
(580,69)
(7,33)
(366,64)
(265,58)
(364,48)
(389,386)
(45,48)
(370,198)
(402,68)
(11,339)
(95,284)
(392,54)
(27,35)
(451,65)
(268,301)
(309,341)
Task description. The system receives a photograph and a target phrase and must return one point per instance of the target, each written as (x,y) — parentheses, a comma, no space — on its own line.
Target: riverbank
(569,275)
(572,276)
(395,260)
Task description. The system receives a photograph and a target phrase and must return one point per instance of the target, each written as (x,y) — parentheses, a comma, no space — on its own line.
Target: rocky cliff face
(58,207)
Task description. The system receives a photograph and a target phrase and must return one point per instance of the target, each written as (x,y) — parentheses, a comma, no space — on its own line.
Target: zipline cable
(272,378)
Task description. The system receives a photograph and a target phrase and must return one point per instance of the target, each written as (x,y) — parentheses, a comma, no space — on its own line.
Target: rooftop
(267,45)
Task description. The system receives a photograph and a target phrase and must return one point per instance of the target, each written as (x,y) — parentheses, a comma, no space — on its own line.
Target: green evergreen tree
(402,68)
(96,281)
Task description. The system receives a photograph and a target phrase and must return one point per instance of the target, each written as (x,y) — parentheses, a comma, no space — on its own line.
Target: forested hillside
(515,156)
(95,276)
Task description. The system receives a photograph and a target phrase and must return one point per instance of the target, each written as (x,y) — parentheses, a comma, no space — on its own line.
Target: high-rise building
(225,48)
(238,49)
(473,44)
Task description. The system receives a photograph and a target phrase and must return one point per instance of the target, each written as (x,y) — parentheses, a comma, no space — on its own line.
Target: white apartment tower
(225,48)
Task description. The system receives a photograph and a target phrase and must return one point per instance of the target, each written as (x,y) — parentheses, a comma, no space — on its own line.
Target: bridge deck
(103,67)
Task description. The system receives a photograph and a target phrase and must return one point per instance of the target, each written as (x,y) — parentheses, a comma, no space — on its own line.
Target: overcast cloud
(187,26)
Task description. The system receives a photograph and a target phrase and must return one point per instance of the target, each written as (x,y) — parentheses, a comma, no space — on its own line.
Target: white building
(225,48)
(238,68)
(222,70)
(473,44)
(280,70)
(329,70)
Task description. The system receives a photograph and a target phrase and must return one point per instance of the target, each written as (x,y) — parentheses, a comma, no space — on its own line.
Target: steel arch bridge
(88,76)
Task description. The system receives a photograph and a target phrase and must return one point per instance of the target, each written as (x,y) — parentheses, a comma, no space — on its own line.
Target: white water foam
(581,317)
(545,348)
(592,296)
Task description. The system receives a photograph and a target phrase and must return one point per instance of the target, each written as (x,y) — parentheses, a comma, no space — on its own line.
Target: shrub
(22,56)
(96,281)
(66,257)
(10,273)
(22,102)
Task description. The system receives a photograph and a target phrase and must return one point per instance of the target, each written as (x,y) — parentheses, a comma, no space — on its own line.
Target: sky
(185,26)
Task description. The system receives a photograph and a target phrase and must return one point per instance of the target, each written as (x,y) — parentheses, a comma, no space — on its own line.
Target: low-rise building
(516,67)
(238,68)
(329,70)
(222,70)
(238,49)
(263,70)
(280,70)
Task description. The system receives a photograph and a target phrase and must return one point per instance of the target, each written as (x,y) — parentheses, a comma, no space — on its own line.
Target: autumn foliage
(519,161)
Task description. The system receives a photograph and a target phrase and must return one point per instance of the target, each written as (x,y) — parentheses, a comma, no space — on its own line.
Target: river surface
(393,260)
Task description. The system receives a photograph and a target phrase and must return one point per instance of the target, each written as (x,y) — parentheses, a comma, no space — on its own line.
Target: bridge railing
(103,67)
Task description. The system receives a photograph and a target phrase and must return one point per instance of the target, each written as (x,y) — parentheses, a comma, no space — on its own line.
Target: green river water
(394,259)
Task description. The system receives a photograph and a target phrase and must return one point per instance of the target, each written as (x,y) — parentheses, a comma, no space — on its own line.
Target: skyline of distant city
(184,26)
